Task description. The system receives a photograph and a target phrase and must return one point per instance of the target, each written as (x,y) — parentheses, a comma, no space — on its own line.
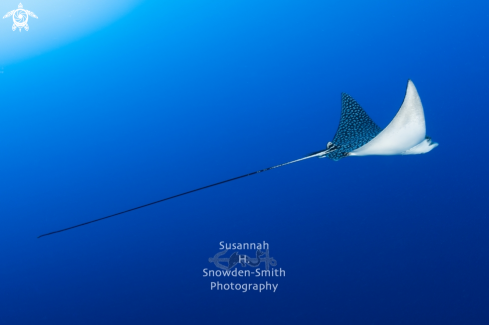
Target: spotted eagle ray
(357,135)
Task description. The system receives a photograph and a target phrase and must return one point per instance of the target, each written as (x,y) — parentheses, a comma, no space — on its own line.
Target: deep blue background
(177,95)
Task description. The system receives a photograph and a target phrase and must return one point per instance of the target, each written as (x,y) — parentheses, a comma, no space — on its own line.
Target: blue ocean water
(110,105)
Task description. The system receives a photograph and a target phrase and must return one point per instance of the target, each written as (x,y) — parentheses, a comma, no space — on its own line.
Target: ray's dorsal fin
(355,130)
(405,131)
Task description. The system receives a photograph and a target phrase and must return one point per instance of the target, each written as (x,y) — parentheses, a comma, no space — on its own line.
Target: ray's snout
(424,146)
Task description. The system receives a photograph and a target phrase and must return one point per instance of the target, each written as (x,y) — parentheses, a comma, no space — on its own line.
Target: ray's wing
(355,130)
(30,13)
(406,130)
(9,14)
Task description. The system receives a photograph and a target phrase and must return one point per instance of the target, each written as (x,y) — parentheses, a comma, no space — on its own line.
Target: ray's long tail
(316,154)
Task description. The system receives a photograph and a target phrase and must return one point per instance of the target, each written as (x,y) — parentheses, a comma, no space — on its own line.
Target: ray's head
(423,147)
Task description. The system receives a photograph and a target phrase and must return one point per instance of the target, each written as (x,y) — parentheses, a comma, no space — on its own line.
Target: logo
(244,260)
(20,17)
(258,265)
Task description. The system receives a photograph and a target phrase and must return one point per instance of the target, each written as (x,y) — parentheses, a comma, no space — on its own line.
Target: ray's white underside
(405,134)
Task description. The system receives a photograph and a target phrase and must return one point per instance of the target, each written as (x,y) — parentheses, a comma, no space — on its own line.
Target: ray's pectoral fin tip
(358,135)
